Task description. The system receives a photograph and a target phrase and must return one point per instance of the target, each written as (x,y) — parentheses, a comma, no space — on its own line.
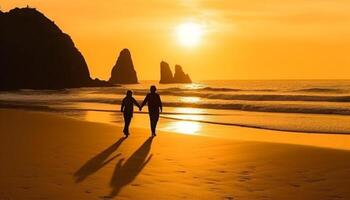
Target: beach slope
(46,156)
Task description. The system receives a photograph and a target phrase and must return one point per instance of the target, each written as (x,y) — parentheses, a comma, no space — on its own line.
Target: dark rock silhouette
(167,77)
(123,71)
(36,54)
(180,76)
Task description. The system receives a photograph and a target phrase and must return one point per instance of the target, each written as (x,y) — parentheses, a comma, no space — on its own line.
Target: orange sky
(251,39)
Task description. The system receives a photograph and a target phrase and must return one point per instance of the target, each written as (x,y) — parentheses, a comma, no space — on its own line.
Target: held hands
(140,108)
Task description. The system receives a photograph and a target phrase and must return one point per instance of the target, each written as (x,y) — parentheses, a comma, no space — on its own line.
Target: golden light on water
(193,86)
(190,99)
(188,110)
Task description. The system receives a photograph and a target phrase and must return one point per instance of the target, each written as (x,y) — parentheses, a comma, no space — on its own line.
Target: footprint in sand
(314,180)
(335,196)
(294,184)
(88,192)
(212,181)
(24,188)
(244,176)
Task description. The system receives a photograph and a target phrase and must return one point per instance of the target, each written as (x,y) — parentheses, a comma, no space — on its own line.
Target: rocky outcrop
(180,76)
(123,71)
(36,54)
(166,75)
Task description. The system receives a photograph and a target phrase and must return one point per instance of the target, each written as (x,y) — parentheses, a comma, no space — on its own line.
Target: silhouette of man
(127,108)
(154,106)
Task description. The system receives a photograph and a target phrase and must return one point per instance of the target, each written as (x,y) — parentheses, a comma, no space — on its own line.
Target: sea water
(311,106)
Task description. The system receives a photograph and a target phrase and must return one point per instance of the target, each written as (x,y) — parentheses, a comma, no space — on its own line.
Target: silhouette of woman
(127,108)
(154,106)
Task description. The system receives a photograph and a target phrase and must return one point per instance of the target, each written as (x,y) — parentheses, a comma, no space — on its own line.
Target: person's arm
(136,103)
(145,101)
(122,106)
(160,104)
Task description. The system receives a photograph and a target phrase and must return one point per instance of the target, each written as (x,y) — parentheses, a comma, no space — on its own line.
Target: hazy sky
(250,39)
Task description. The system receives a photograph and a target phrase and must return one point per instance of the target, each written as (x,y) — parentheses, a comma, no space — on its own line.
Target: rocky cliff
(166,75)
(123,71)
(36,54)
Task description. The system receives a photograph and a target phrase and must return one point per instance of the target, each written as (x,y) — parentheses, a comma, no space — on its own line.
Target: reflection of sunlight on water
(186,127)
(190,99)
(190,117)
(188,110)
(192,111)
(194,86)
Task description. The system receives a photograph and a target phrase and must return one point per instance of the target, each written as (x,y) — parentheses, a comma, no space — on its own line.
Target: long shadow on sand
(125,173)
(97,162)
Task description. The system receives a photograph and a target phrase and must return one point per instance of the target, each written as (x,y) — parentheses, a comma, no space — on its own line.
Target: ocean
(310,106)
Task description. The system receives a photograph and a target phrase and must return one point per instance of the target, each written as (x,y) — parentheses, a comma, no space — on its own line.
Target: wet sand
(47,156)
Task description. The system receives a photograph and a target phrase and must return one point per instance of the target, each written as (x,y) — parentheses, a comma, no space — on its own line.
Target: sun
(189,33)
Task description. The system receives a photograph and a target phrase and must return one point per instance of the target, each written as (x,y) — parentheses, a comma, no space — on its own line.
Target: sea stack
(180,76)
(166,75)
(36,54)
(123,71)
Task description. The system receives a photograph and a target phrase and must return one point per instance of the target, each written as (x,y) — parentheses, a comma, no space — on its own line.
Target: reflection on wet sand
(186,127)
(103,117)
(141,120)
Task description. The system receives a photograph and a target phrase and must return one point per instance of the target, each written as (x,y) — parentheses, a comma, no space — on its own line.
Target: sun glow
(189,33)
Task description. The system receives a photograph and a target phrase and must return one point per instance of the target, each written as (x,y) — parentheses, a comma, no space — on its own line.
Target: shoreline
(179,126)
(311,123)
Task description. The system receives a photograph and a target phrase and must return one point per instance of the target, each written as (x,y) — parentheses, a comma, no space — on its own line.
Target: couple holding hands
(154,107)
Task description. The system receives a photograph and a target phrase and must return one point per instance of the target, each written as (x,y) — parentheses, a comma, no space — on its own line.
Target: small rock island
(123,71)
(166,75)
